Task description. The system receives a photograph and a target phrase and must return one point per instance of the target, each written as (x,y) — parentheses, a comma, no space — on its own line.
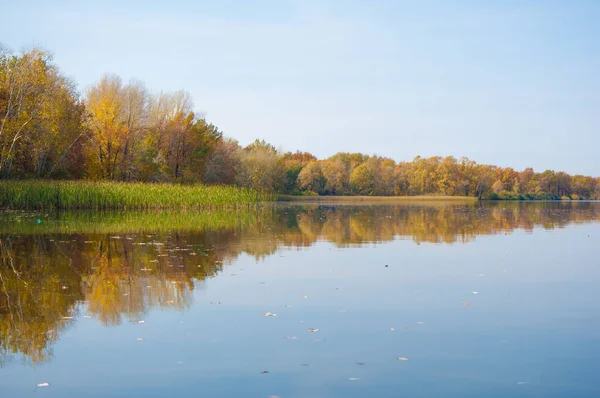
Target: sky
(512,83)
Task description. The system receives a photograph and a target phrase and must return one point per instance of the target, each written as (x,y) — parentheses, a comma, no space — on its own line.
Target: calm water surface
(429,300)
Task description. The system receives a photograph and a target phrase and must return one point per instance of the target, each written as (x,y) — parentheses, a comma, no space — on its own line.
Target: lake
(298,300)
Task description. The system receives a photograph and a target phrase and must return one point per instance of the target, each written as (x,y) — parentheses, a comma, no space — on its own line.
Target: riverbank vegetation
(100,195)
(121,132)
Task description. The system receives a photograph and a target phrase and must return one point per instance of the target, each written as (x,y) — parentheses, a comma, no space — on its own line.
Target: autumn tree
(105,103)
(222,162)
(40,115)
(293,163)
(311,178)
(260,167)
(362,179)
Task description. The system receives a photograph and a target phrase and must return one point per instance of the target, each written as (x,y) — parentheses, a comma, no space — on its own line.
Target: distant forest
(120,131)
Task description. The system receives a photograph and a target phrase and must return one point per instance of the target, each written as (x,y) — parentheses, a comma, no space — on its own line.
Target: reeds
(23,222)
(104,195)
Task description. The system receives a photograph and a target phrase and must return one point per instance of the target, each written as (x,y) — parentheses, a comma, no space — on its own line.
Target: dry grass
(374,199)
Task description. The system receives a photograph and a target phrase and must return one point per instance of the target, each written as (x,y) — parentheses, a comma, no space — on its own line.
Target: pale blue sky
(513,82)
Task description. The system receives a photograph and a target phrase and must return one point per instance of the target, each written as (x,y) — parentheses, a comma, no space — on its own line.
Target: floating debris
(269,314)
(474,293)
(288,306)
(392,329)
(215,302)
(360,363)
(313,330)
(304,297)
(520,383)
(402,359)
(465,303)
(264,372)
(353,378)
(140,339)
(43,385)
(141,321)
(290,337)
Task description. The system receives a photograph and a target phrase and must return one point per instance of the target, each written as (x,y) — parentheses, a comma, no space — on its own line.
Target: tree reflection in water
(122,265)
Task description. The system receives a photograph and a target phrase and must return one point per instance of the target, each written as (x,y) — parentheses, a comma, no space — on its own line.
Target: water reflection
(119,266)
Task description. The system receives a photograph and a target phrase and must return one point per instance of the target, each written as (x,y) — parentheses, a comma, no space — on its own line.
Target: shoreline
(357,198)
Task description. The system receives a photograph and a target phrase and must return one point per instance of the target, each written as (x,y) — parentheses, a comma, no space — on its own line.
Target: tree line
(121,131)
